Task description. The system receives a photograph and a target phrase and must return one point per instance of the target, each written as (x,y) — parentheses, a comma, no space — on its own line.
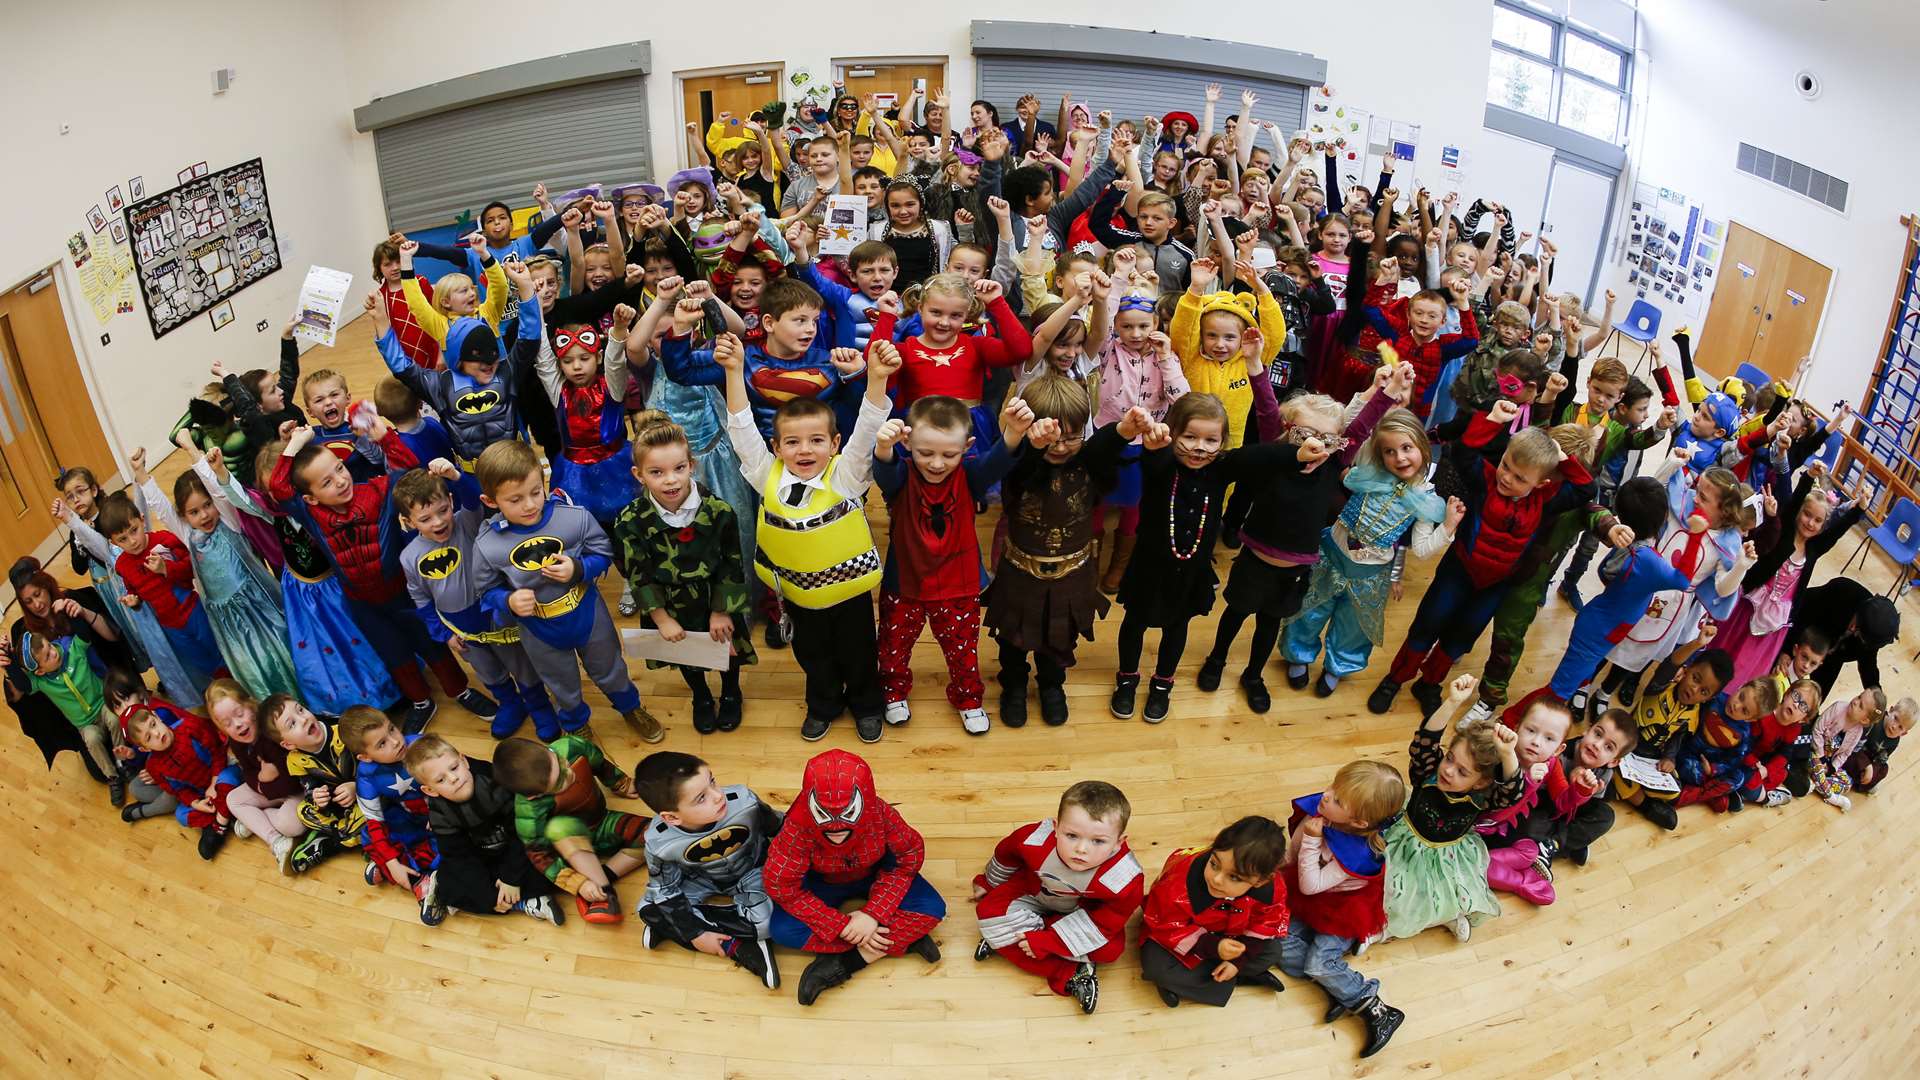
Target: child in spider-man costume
(840,842)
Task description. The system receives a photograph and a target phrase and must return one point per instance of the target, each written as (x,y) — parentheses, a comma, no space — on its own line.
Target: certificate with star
(846,224)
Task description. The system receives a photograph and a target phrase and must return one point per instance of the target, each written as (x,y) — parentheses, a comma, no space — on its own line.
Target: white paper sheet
(1646,772)
(696,649)
(322,296)
(846,224)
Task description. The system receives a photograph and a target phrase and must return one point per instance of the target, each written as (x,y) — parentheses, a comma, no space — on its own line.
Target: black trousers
(1196,983)
(838,649)
(1014,668)
(469,884)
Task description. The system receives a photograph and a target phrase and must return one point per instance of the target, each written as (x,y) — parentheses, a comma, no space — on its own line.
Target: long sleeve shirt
(851,477)
(960,369)
(170,593)
(360,532)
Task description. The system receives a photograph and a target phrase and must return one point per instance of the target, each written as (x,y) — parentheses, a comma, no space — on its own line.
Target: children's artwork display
(105,270)
(1673,250)
(1340,129)
(201,242)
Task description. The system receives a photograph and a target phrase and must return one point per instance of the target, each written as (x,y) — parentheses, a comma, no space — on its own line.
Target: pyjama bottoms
(1196,983)
(836,647)
(750,914)
(1008,913)
(920,911)
(470,885)
(616,833)
(268,819)
(398,636)
(956,626)
(1308,954)
(1450,618)
(600,655)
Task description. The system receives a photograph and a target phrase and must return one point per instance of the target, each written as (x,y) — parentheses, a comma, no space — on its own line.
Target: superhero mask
(471,340)
(576,339)
(836,789)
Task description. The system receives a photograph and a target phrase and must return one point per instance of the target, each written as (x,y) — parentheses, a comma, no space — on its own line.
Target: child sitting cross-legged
(1056,895)
(484,867)
(190,761)
(320,762)
(393,811)
(706,841)
(1570,813)
(1869,763)
(563,820)
(1217,916)
(1335,877)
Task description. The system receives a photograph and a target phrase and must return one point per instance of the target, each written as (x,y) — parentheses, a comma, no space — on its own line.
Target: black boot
(1159,700)
(827,971)
(1381,700)
(1382,1021)
(211,837)
(1258,698)
(1429,695)
(757,957)
(1659,812)
(1208,678)
(1124,688)
(1053,705)
(1013,698)
(1264,978)
(926,949)
(706,717)
(1171,999)
(1084,987)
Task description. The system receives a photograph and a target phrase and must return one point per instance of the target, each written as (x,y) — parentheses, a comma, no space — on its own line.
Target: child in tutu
(1436,863)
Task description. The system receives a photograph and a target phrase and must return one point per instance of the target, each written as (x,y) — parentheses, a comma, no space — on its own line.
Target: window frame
(1563,29)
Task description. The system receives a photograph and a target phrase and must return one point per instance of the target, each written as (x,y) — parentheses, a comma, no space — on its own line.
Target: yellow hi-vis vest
(822,553)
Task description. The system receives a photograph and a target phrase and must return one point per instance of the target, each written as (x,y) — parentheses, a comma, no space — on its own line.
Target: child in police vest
(815,550)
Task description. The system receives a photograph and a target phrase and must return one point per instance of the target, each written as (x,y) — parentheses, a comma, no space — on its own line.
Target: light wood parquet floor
(1772,942)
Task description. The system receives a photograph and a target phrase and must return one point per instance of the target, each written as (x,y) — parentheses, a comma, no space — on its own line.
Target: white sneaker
(1360,947)
(628,603)
(1839,802)
(542,908)
(1481,711)
(898,712)
(974,720)
(1462,928)
(1779,797)
(283,853)
(240,830)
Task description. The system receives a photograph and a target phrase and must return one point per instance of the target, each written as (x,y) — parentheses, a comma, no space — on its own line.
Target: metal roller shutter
(433,168)
(1133,90)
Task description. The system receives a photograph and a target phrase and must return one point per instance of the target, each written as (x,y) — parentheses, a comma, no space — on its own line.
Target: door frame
(1833,276)
(1612,176)
(778,68)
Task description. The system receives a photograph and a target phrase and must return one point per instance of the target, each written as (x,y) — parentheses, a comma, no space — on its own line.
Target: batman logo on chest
(438,564)
(475,402)
(536,551)
(719,844)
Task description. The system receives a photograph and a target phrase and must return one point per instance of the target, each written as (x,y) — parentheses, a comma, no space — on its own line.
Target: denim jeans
(1323,958)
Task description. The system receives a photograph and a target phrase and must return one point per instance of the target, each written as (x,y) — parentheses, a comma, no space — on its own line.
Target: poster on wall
(1341,130)
(105,272)
(201,242)
(1673,251)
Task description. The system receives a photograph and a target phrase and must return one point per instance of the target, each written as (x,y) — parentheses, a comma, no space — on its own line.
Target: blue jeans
(1305,954)
(922,898)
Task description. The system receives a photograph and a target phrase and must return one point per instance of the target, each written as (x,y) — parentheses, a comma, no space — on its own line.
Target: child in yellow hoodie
(1206,337)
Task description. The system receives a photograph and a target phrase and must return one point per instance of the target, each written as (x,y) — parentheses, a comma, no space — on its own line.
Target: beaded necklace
(1200,529)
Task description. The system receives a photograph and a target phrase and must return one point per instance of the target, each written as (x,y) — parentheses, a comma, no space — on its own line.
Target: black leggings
(1266,632)
(1133,640)
(697,679)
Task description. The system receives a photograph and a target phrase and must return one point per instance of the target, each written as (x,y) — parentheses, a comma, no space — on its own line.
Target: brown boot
(1117,567)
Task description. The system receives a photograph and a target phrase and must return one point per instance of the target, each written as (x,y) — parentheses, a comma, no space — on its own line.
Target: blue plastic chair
(1752,376)
(1899,537)
(1642,324)
(1830,451)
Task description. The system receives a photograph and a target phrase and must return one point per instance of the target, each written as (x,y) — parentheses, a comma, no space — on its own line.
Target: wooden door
(27,455)
(55,391)
(703,98)
(1791,316)
(1739,302)
(895,79)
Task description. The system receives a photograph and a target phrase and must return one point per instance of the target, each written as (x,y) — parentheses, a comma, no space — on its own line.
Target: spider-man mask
(836,790)
(570,339)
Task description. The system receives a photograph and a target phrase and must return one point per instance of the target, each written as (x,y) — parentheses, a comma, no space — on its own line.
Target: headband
(1136,302)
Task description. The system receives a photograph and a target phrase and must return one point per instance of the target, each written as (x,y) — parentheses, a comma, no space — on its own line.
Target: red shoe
(605,912)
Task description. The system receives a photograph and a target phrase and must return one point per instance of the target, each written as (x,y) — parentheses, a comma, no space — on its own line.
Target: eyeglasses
(1298,434)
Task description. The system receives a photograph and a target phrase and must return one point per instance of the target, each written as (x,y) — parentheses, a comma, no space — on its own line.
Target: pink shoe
(1511,870)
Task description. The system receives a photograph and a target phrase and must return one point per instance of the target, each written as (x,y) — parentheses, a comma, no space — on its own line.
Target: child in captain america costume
(394,832)
(840,842)
(1055,898)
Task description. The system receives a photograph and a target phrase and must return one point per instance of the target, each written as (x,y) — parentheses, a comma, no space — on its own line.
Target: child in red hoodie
(1217,916)
(155,565)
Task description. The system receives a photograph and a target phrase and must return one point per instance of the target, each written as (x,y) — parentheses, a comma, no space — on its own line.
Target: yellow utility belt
(562,604)
(505,635)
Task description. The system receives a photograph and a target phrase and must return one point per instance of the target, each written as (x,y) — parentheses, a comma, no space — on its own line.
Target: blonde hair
(654,429)
(1575,440)
(1608,371)
(1157,198)
(220,690)
(425,748)
(1766,690)
(358,723)
(1375,792)
(445,287)
(952,286)
(1533,449)
(1812,687)
(322,377)
(1398,421)
(1318,405)
(1733,496)
(1481,743)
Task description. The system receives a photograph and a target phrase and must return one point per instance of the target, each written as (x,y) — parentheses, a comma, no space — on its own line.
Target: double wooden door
(703,98)
(1766,308)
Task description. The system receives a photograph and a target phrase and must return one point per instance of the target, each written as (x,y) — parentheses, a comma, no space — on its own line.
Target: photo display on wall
(201,242)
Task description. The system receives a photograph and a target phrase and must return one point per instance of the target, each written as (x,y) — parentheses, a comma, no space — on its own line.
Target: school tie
(796,493)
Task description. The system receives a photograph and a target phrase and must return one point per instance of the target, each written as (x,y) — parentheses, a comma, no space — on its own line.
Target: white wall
(1443,91)
(1722,73)
(132,83)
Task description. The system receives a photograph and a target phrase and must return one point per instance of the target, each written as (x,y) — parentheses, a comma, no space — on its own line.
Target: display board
(201,242)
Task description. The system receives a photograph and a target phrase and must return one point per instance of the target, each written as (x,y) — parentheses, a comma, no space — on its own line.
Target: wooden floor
(1767,943)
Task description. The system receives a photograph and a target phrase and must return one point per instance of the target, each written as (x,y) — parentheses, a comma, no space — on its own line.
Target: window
(1555,70)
